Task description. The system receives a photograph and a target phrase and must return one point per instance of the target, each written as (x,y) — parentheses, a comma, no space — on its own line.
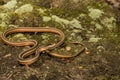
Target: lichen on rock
(24,9)
(10,5)
(95,13)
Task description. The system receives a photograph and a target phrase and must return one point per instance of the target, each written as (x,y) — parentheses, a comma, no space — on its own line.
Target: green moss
(110,23)
(39,3)
(4,20)
(65,13)
(70,15)
(18,37)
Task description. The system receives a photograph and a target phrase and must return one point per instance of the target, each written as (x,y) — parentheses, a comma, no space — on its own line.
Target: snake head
(45,48)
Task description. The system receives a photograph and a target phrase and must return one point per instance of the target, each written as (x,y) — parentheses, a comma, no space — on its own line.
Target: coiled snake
(35,49)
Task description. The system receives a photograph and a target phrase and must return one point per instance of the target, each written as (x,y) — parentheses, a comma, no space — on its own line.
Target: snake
(35,48)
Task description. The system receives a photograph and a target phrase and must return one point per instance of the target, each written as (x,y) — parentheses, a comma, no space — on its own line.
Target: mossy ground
(101,36)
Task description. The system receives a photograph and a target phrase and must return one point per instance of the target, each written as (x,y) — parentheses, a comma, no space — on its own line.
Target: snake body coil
(35,49)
